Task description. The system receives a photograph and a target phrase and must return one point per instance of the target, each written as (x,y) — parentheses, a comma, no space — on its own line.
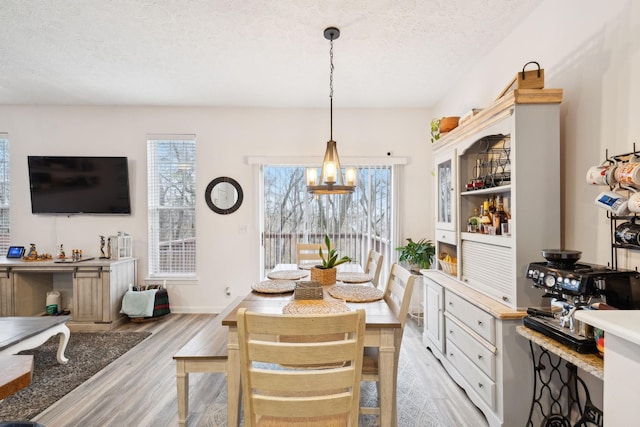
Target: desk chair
(308,253)
(398,295)
(323,390)
(373,266)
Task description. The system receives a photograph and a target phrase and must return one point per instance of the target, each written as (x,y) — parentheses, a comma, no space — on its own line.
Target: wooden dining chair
(292,383)
(308,253)
(397,294)
(373,266)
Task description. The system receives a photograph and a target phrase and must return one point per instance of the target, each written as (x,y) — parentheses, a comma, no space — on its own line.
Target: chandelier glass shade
(330,179)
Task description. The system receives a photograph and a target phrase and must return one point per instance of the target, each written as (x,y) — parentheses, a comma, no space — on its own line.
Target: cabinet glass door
(445,192)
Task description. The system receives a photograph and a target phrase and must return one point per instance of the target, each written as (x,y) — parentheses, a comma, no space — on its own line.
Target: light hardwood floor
(139,388)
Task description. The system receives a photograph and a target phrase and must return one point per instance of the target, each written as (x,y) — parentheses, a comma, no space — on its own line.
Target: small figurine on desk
(33,253)
(102,256)
(109,248)
(61,254)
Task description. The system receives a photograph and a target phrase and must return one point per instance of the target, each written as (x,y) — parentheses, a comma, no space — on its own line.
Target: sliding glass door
(355,223)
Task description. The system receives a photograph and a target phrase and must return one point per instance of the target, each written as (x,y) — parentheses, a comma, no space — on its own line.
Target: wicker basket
(308,290)
(449,267)
(326,276)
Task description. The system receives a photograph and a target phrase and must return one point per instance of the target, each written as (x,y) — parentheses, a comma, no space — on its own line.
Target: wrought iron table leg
(555,396)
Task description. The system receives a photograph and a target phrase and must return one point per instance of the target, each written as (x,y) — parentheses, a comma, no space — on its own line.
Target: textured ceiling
(391,53)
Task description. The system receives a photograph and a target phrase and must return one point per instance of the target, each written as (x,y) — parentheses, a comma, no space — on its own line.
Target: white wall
(590,49)
(225,137)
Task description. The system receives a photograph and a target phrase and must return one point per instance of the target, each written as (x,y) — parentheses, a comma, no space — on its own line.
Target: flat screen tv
(79,185)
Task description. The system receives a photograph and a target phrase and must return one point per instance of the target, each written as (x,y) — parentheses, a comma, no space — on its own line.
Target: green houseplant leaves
(331,259)
(418,253)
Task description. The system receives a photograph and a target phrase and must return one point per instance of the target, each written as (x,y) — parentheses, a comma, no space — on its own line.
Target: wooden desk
(15,373)
(381,327)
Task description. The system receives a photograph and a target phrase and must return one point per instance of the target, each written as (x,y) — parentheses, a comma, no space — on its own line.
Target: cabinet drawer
(476,319)
(446,236)
(479,354)
(480,383)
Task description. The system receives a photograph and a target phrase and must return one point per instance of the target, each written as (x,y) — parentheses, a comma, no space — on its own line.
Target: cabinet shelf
(491,190)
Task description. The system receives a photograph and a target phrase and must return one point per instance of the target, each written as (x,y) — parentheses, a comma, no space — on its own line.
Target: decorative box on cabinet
(121,247)
(470,317)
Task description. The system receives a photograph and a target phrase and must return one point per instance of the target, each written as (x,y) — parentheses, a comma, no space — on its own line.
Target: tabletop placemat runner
(274,286)
(353,277)
(315,307)
(356,293)
(287,274)
(307,266)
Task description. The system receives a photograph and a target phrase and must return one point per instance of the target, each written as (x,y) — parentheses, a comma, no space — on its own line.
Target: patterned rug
(88,353)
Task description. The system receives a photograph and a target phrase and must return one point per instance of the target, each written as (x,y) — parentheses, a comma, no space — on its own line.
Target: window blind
(5,195)
(171,180)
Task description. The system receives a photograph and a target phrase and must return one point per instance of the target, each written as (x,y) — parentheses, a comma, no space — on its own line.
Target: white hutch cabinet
(513,147)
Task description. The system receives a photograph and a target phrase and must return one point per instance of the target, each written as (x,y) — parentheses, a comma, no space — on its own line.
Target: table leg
(233,378)
(64,332)
(386,372)
(182,383)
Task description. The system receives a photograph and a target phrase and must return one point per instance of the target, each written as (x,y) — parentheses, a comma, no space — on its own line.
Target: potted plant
(435,130)
(326,272)
(418,255)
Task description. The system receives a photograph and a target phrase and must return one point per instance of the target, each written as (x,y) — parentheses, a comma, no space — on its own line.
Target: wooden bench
(206,352)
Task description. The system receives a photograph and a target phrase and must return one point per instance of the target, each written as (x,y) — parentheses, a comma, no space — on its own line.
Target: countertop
(622,323)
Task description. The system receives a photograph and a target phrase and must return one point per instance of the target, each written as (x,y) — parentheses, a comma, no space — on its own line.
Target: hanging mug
(628,174)
(602,175)
(628,233)
(612,201)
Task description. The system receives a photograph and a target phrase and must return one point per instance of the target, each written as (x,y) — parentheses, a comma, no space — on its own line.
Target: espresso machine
(573,286)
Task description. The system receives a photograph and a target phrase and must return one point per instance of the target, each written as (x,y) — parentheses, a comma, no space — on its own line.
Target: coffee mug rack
(617,221)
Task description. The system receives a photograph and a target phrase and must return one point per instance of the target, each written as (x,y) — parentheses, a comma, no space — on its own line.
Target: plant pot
(326,276)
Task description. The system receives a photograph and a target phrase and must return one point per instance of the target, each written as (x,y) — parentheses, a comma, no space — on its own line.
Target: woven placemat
(287,274)
(315,307)
(274,286)
(355,293)
(353,277)
(307,266)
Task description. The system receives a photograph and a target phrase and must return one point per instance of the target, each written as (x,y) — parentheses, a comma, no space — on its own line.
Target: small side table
(555,394)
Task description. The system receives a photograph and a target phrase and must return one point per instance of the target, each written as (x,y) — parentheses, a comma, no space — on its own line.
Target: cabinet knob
(479,322)
(450,332)
(505,298)
(450,354)
(479,357)
(480,385)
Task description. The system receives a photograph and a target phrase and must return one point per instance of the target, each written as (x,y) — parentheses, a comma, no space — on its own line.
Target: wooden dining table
(381,327)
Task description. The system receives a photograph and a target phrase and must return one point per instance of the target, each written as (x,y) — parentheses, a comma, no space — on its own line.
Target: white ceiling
(265,53)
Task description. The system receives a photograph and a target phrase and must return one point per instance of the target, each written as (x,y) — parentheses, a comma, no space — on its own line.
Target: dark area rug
(88,353)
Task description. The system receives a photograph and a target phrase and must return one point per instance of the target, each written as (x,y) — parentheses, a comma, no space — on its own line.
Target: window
(171,180)
(5,195)
(356,223)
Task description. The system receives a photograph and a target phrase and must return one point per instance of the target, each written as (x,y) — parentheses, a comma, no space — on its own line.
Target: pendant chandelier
(330,180)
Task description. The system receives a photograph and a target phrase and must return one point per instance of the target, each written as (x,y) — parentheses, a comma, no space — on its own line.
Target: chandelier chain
(331,69)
